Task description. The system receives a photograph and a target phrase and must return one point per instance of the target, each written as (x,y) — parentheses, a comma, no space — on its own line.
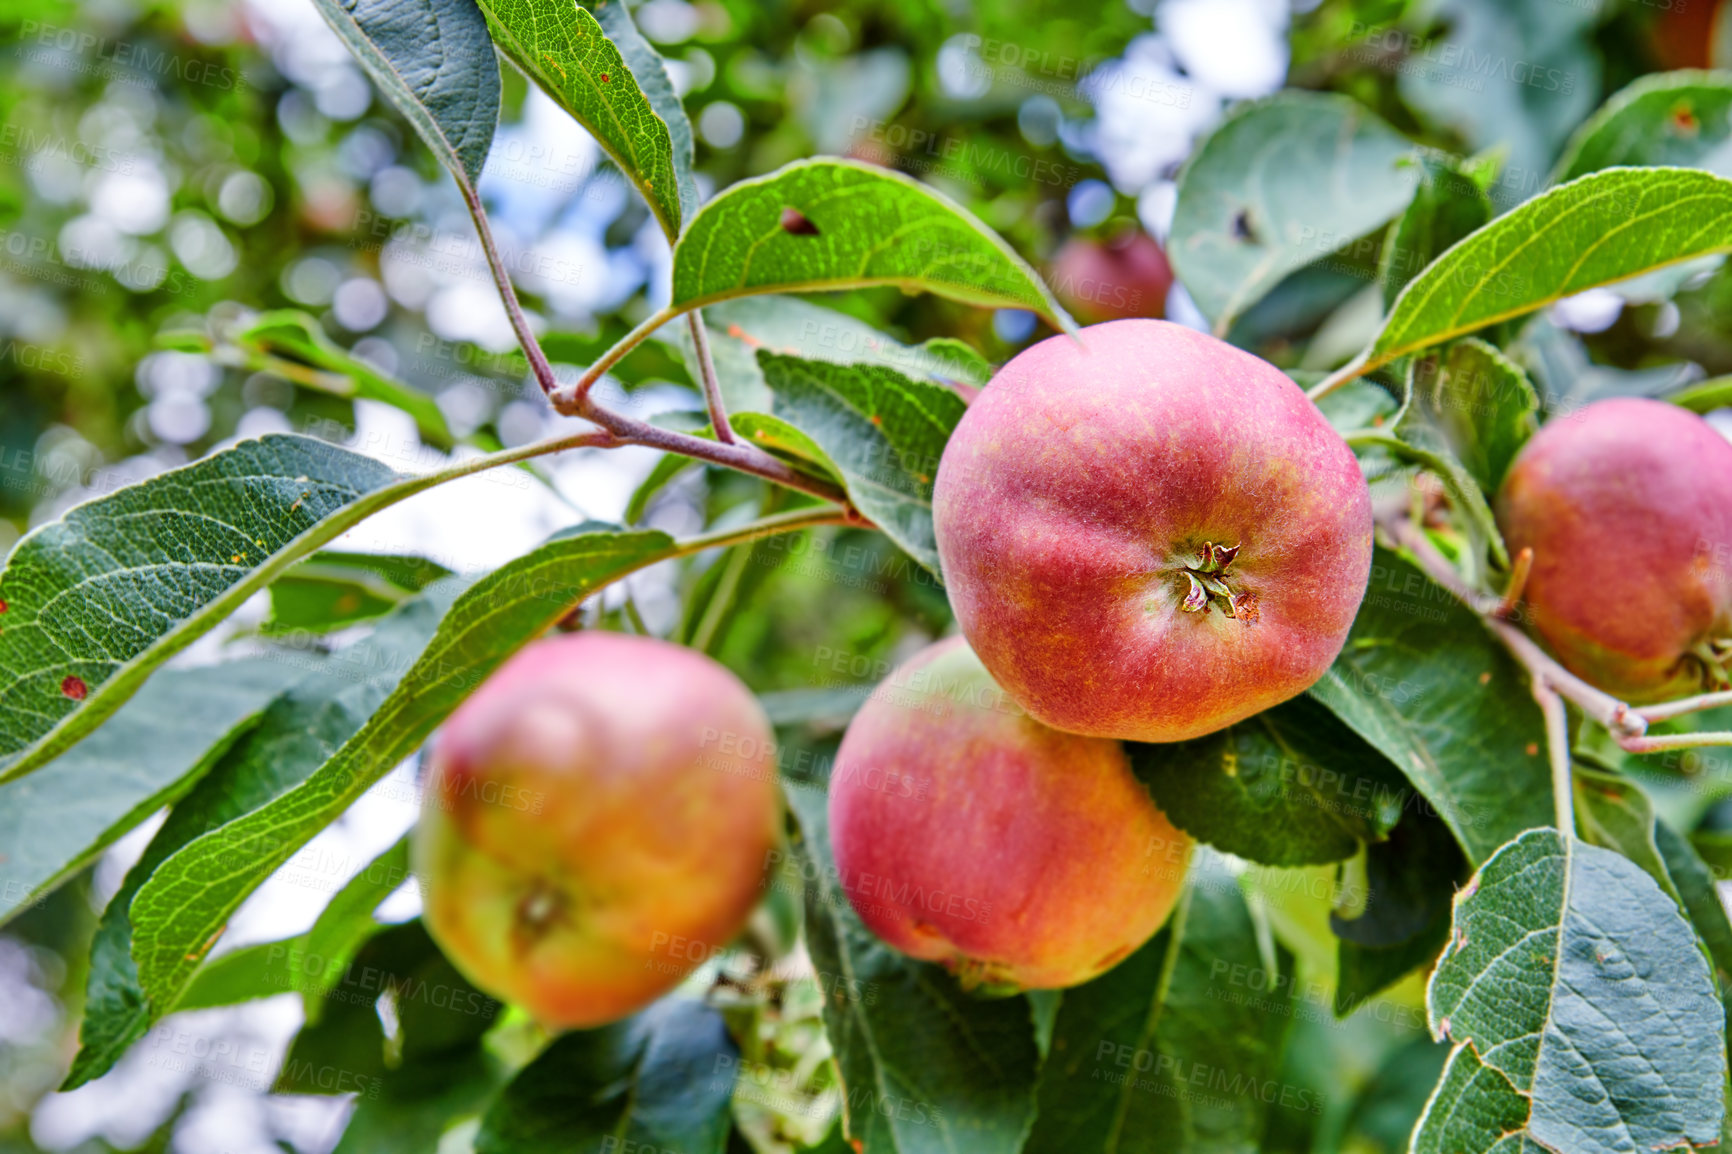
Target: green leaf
(293,737)
(1602,228)
(309,964)
(667,468)
(1447,206)
(1668,118)
(98,599)
(1581,994)
(318,958)
(822,709)
(881,432)
(1473,1110)
(1478,405)
(256,971)
(1506,79)
(288,342)
(1418,444)
(1694,883)
(1423,681)
(1612,812)
(332,590)
(1279,185)
(1291,786)
(1409,882)
(660,1080)
(1178,1047)
(434,60)
(822,225)
(438,1020)
(188,900)
(799,328)
(151,752)
(560,46)
(1356,405)
(409,1109)
(926,1068)
(652,77)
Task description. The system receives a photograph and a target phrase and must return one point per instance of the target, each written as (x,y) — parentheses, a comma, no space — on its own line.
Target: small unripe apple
(966,832)
(597,822)
(1127,276)
(1627,506)
(1149,534)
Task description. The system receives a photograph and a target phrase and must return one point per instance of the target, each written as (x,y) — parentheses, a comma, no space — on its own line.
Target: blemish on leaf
(1684,119)
(794,223)
(1533,749)
(877,420)
(74,687)
(1485,678)
(1242,229)
(3,606)
(604,78)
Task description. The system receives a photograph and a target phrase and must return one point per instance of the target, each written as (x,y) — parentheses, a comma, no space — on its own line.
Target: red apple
(1627,506)
(968,833)
(1125,277)
(596,823)
(1149,534)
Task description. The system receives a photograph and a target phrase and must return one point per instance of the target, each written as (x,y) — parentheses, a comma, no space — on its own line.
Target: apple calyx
(1713,653)
(982,979)
(1210,585)
(538,911)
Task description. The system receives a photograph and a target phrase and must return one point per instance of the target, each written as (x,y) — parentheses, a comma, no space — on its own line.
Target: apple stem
(1627,724)
(712,386)
(1683,705)
(1518,583)
(1558,752)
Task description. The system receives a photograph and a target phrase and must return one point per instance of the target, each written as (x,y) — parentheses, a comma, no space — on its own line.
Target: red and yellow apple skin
(597,821)
(1149,534)
(1111,280)
(966,832)
(1627,506)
